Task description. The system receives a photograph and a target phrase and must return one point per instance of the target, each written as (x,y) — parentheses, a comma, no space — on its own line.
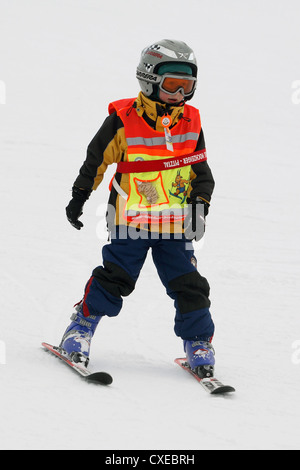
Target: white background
(61,63)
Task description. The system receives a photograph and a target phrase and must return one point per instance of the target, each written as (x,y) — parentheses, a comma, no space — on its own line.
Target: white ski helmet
(165,56)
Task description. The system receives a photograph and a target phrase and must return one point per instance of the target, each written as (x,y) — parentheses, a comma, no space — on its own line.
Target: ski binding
(211,384)
(101,378)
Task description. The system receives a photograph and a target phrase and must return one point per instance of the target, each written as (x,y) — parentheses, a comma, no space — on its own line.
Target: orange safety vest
(157,196)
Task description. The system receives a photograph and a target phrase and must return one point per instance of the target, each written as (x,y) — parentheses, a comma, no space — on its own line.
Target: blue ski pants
(174,258)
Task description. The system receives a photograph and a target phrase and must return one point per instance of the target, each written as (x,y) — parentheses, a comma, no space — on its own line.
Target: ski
(101,378)
(211,384)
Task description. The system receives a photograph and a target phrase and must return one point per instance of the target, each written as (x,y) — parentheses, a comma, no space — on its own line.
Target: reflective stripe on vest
(154,141)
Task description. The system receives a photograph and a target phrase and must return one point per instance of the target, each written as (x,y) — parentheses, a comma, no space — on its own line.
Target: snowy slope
(61,63)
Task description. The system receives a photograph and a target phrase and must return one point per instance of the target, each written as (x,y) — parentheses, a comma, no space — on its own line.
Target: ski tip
(47,345)
(180,360)
(102,378)
(223,389)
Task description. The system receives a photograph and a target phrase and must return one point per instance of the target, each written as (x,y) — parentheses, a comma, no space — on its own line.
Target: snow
(61,62)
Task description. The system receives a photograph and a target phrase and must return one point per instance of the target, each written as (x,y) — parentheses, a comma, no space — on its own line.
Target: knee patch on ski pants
(114,279)
(191,292)
(105,289)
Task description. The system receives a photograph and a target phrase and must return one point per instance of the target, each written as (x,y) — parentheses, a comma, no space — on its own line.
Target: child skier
(159,198)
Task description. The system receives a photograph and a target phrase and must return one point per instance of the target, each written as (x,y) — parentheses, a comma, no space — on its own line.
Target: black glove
(194,223)
(75,206)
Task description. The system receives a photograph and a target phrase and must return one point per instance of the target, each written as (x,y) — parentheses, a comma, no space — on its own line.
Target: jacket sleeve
(202,179)
(103,150)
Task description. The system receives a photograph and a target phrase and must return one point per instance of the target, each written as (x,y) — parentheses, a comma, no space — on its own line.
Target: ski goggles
(172,84)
